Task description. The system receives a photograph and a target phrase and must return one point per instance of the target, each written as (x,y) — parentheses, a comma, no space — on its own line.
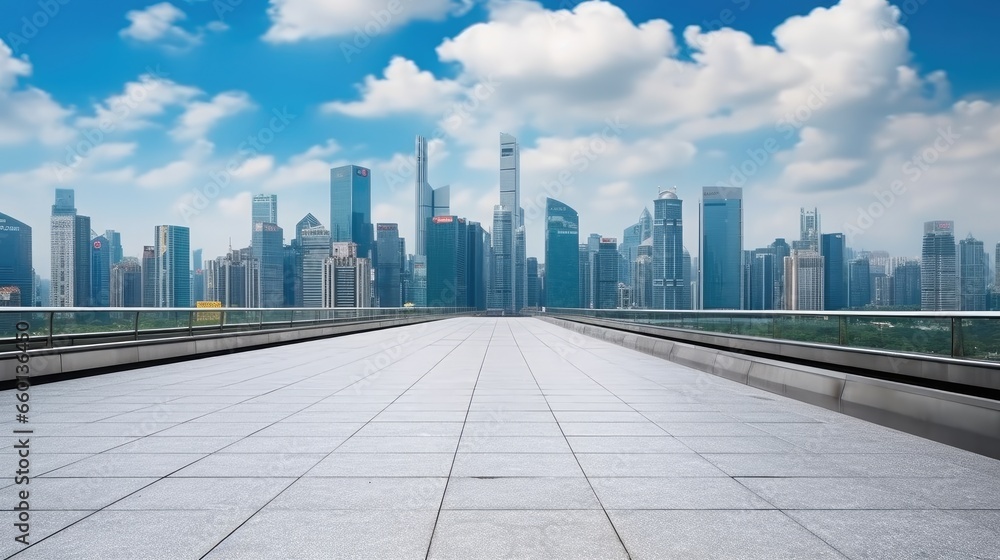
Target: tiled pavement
(477,438)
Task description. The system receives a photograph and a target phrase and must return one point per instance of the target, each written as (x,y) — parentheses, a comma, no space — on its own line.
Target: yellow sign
(211,318)
(208,304)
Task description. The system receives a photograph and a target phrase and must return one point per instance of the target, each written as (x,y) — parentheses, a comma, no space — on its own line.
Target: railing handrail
(783,312)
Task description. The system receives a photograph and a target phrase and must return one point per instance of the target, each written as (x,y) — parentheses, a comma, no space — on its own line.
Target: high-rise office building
(669,289)
(720,239)
(197,275)
(832,246)
(562,255)
(939,268)
(351,207)
(606,274)
(520,269)
(972,275)
(172,272)
(502,271)
(478,263)
(996,266)
(447,262)
(809,231)
(585,278)
(418,279)
(100,272)
(126,283)
(859,283)
(906,285)
(762,282)
(264,209)
(689,290)
(804,272)
(533,283)
(115,240)
(642,276)
(15,259)
(632,237)
(268,249)
(70,253)
(514,237)
(314,245)
(388,263)
(148,276)
(430,202)
(346,277)
(781,249)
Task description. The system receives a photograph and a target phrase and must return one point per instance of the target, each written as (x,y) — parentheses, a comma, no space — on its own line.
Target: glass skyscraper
(832,247)
(606,274)
(447,262)
(668,252)
(388,265)
(972,274)
(720,240)
(314,247)
(859,283)
(172,280)
(268,250)
(502,272)
(939,268)
(100,272)
(15,258)
(70,253)
(265,208)
(562,255)
(351,207)
(430,202)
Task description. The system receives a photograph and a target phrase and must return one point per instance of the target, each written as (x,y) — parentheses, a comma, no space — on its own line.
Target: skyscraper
(478,263)
(972,275)
(351,207)
(502,271)
(387,266)
(15,258)
(859,283)
(832,246)
(720,242)
(906,284)
(148,271)
(268,250)
(314,245)
(430,202)
(346,277)
(585,278)
(939,268)
(781,249)
(70,253)
(809,231)
(126,283)
(606,274)
(762,282)
(532,286)
(447,262)
(172,280)
(631,238)
(115,240)
(669,288)
(520,269)
(510,200)
(100,272)
(264,209)
(804,272)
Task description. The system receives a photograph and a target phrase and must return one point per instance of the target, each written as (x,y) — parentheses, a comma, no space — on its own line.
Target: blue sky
(802,103)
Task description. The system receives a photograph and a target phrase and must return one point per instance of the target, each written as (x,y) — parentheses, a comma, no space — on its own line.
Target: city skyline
(892,141)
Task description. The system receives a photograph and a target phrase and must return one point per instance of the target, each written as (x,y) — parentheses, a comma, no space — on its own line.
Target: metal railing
(952,334)
(57,327)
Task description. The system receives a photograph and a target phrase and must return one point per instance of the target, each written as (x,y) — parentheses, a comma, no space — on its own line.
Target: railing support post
(957,338)
(842,330)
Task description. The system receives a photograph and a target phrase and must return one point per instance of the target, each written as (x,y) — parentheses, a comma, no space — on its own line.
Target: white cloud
(296,20)
(403,88)
(28,114)
(139,104)
(155,24)
(200,116)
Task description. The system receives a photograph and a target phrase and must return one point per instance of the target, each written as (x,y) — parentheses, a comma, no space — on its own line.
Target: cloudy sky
(882,116)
